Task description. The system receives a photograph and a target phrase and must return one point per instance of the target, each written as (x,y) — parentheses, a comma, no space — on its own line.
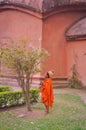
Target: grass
(68,113)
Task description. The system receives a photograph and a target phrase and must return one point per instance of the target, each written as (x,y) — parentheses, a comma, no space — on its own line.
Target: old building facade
(56,25)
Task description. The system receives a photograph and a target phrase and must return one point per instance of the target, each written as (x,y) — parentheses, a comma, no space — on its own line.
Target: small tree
(25,61)
(74,81)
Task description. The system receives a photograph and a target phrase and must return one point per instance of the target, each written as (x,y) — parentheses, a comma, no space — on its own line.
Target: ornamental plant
(74,81)
(24,60)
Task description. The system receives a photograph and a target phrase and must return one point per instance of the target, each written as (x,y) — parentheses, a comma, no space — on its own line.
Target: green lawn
(68,113)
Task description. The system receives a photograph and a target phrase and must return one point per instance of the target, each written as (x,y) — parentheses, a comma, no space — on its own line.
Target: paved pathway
(80,92)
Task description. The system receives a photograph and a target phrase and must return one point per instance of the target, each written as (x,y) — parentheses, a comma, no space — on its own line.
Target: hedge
(10,98)
(5,88)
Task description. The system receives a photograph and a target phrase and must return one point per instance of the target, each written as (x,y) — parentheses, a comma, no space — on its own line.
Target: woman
(47,95)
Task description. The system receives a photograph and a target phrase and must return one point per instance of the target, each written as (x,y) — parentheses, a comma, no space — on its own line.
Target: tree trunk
(27,97)
(25,88)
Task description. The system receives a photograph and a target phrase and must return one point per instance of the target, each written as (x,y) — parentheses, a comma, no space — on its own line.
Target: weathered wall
(48,33)
(19,25)
(54,40)
(15,24)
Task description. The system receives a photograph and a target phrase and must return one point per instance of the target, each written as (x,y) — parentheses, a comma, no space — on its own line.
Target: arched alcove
(77,31)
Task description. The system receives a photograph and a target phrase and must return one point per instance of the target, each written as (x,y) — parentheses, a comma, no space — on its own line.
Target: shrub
(5,88)
(9,98)
(34,94)
(74,81)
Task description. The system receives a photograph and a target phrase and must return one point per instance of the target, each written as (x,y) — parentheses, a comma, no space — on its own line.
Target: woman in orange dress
(47,95)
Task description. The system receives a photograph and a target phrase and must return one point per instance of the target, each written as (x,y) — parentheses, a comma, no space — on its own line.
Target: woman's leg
(47,109)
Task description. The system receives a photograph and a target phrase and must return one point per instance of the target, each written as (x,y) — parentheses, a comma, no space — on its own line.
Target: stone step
(35,82)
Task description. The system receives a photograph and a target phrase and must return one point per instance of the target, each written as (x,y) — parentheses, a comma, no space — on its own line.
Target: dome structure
(42,6)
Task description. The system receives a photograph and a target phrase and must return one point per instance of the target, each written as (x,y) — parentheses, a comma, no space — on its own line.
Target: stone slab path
(80,92)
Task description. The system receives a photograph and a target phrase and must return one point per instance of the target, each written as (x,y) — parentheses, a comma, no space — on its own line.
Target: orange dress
(47,95)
